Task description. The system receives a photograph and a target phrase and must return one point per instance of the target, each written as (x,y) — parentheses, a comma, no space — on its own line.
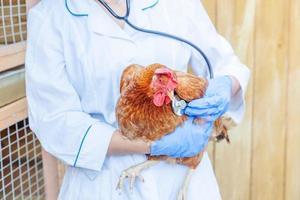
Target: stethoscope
(177,104)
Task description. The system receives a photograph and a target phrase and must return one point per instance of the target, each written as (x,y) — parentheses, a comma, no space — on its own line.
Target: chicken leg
(182,195)
(133,172)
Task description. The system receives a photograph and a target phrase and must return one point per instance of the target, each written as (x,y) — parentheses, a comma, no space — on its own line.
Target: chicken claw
(132,173)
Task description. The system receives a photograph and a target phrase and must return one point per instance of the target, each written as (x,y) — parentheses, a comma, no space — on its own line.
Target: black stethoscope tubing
(167,35)
(158,33)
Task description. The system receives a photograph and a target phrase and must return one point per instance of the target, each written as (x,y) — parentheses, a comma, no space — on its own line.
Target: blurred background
(263,160)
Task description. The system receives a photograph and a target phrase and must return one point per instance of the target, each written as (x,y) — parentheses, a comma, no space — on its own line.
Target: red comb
(165,71)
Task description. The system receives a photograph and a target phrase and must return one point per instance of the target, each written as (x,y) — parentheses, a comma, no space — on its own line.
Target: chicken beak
(170,94)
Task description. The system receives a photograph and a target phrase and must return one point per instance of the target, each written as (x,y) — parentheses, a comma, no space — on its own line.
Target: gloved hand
(215,101)
(186,141)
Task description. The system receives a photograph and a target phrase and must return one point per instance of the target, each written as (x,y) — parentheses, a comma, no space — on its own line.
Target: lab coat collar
(101,23)
(78,7)
(81,7)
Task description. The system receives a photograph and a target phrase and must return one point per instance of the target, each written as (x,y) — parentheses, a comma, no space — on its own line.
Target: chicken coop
(261,163)
(23,164)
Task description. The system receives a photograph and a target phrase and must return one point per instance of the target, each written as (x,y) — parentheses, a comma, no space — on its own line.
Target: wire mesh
(21,167)
(12,21)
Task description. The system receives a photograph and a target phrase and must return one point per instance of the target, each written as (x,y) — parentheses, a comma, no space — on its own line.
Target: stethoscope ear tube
(158,33)
(113,13)
(167,35)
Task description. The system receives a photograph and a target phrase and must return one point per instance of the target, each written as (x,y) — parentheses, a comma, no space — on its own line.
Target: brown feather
(138,117)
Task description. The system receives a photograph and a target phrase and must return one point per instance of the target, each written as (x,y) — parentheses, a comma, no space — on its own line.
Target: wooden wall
(263,160)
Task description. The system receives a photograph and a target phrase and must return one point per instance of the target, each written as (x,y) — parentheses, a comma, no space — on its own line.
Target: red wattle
(159,99)
(167,100)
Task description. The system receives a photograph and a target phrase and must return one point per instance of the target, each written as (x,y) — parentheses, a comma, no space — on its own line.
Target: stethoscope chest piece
(178,106)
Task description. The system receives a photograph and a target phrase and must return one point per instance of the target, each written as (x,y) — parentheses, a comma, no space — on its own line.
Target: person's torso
(97,50)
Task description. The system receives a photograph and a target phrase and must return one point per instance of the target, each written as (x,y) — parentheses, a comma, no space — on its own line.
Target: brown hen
(144,110)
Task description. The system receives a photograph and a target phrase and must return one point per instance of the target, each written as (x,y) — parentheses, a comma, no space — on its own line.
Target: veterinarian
(76,52)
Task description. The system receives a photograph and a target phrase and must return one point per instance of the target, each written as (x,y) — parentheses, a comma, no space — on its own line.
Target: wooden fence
(263,160)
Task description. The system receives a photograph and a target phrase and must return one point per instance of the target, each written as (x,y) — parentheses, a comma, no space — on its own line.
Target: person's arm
(54,106)
(121,145)
(55,113)
(186,141)
(224,61)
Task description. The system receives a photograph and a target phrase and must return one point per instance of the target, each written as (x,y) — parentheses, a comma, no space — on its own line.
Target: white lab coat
(73,68)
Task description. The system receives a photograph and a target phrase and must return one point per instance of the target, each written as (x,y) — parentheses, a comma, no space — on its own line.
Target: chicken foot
(182,195)
(133,172)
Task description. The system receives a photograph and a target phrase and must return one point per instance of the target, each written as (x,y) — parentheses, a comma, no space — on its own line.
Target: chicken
(144,112)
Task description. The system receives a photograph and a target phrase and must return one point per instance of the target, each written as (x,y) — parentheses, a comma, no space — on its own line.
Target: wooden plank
(236,22)
(224,25)
(12,55)
(225,18)
(269,117)
(13,113)
(13,2)
(292,181)
(210,6)
(12,86)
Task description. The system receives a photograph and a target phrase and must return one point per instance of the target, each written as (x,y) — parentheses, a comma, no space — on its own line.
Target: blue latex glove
(186,141)
(215,101)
